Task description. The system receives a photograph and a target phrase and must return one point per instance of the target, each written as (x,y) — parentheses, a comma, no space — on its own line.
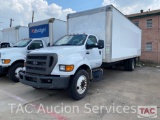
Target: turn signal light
(6,61)
(69,68)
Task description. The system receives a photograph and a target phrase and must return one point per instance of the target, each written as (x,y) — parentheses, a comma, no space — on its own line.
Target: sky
(21,10)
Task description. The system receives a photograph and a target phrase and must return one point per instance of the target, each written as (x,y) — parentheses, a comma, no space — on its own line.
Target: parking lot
(118,88)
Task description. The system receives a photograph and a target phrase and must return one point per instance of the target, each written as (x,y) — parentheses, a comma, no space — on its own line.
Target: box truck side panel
(9,35)
(59,29)
(89,24)
(23,33)
(94,23)
(126,37)
(13,36)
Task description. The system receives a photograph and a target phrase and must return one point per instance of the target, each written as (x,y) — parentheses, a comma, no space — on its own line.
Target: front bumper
(3,70)
(44,82)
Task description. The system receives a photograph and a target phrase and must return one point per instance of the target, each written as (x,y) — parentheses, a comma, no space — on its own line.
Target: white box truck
(102,36)
(15,34)
(12,59)
(12,35)
(49,30)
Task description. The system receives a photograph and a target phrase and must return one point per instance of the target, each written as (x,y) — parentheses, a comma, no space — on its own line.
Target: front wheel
(79,85)
(14,71)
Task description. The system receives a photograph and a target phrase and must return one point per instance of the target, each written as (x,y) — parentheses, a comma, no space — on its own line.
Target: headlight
(66,68)
(6,61)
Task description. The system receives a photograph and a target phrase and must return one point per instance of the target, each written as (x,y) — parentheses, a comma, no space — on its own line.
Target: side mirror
(31,47)
(100,44)
(91,46)
(28,48)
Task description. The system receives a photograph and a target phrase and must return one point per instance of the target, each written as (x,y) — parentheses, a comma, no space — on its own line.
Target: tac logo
(41,30)
(147,112)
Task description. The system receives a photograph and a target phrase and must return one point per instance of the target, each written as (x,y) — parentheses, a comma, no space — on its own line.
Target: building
(149,22)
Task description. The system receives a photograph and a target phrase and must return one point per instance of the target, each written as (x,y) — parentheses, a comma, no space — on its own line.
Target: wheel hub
(17,72)
(81,84)
(133,64)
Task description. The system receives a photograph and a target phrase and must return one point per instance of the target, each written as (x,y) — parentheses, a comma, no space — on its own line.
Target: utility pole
(11,20)
(32,16)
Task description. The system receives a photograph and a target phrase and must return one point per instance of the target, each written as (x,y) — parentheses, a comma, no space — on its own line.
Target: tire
(126,65)
(79,85)
(3,75)
(13,71)
(130,64)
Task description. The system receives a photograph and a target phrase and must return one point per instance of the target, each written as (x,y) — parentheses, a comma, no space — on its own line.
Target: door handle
(87,52)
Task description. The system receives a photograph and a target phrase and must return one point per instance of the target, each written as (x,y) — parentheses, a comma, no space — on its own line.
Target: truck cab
(12,59)
(69,63)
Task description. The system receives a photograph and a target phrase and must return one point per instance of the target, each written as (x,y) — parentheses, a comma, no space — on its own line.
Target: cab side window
(92,40)
(37,44)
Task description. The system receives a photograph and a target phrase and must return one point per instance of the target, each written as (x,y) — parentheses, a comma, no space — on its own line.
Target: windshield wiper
(65,44)
(62,45)
(18,46)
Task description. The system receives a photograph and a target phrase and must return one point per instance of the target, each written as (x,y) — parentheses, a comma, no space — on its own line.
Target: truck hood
(11,50)
(59,49)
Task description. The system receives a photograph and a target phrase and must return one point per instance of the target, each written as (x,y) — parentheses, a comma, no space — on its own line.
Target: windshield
(71,40)
(22,43)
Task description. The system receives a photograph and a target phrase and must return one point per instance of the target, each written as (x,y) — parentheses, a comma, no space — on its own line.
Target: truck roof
(47,21)
(14,28)
(92,11)
(96,10)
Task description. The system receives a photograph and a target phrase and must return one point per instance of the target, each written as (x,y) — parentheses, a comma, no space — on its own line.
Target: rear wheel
(79,85)
(129,65)
(14,71)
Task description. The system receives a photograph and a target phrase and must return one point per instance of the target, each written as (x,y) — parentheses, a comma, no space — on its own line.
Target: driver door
(93,55)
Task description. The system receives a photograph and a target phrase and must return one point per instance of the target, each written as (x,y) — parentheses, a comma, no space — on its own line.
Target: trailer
(96,38)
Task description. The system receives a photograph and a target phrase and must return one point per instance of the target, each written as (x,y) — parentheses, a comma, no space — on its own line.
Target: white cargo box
(15,34)
(122,38)
(49,30)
